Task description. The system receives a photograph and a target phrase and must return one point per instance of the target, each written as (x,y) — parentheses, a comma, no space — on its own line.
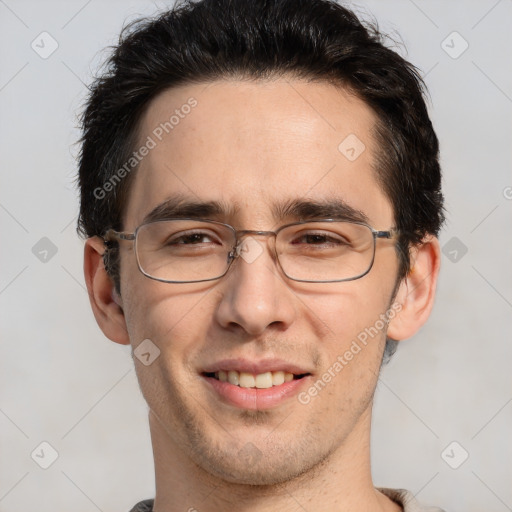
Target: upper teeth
(248,380)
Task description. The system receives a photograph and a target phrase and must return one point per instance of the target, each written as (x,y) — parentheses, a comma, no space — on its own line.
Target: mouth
(255,385)
(263,380)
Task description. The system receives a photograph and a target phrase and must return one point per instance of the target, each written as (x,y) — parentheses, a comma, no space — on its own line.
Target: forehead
(255,147)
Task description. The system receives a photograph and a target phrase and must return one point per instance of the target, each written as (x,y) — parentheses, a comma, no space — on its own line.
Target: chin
(249,465)
(264,474)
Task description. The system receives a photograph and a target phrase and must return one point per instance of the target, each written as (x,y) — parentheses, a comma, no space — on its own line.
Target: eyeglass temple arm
(392,233)
(111,235)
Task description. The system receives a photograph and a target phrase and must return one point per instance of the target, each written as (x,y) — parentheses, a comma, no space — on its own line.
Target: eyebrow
(305,209)
(179,206)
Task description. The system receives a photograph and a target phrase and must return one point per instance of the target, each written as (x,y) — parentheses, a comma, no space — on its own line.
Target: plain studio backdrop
(443,410)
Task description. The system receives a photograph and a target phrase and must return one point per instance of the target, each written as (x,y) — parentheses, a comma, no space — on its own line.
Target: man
(260,192)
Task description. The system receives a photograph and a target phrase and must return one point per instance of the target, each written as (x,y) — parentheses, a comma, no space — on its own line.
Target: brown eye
(319,239)
(191,239)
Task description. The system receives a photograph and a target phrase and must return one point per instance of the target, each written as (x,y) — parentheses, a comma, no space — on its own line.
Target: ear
(417,290)
(105,302)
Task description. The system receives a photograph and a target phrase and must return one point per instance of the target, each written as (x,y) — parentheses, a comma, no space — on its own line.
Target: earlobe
(416,292)
(105,302)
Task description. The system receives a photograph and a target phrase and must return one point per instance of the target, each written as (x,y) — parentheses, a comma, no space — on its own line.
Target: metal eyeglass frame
(111,234)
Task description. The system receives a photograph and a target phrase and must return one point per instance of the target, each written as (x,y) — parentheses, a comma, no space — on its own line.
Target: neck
(340,483)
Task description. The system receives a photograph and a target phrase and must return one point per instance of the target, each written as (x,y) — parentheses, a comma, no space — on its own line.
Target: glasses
(193,251)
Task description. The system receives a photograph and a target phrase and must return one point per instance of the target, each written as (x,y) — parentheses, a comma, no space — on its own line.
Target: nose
(255,294)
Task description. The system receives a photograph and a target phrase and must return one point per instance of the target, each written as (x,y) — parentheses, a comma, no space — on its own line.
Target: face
(252,146)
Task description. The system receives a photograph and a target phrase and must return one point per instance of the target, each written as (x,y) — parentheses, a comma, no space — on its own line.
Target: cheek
(353,319)
(354,348)
(349,307)
(173,316)
(176,325)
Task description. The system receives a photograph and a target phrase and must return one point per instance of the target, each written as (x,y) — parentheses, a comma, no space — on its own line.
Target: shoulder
(401,496)
(407,500)
(143,506)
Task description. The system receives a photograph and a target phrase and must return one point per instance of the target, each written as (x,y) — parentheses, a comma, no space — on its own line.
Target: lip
(255,398)
(256,367)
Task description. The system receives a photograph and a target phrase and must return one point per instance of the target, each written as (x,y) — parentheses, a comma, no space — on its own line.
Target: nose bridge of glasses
(240,243)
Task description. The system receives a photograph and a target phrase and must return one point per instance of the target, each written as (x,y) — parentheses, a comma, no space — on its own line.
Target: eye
(191,238)
(320,238)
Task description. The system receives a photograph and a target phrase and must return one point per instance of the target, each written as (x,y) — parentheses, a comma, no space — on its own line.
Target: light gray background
(62,382)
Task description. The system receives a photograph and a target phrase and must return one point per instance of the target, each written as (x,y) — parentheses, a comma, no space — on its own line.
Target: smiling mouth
(248,380)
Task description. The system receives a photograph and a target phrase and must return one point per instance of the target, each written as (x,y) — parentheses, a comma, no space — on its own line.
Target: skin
(251,144)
